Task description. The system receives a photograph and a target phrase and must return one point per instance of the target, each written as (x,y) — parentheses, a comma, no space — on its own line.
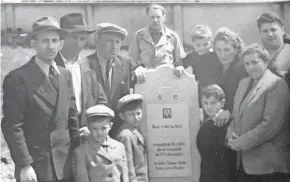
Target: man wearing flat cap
(40,123)
(156,45)
(112,69)
(100,158)
(88,91)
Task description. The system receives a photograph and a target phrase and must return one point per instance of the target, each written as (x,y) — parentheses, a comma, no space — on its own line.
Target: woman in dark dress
(227,46)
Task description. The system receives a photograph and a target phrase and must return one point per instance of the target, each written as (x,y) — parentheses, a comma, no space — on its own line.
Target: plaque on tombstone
(171,122)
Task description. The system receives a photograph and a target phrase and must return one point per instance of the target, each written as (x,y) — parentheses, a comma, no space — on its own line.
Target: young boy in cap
(100,158)
(130,111)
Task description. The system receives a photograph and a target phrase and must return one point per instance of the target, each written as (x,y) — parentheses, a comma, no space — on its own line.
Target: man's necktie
(108,81)
(53,77)
(105,147)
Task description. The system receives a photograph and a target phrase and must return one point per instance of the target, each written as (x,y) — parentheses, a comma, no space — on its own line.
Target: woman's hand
(27,174)
(234,142)
(222,118)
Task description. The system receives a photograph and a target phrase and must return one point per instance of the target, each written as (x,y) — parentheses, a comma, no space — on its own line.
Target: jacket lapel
(261,82)
(147,36)
(85,85)
(239,101)
(139,136)
(41,84)
(62,92)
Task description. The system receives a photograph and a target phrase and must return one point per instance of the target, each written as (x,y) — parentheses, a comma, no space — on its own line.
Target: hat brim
(62,33)
(139,100)
(76,30)
(114,31)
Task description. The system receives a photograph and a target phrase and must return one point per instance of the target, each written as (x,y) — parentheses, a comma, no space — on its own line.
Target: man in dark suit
(40,123)
(112,69)
(88,91)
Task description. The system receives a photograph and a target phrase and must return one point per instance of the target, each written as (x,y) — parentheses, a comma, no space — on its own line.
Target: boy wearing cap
(88,91)
(100,158)
(130,111)
(40,123)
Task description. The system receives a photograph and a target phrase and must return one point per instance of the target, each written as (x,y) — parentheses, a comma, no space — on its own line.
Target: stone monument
(170,125)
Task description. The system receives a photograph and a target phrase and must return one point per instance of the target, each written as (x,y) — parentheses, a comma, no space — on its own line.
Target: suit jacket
(39,123)
(92,163)
(136,153)
(261,124)
(120,83)
(121,77)
(92,91)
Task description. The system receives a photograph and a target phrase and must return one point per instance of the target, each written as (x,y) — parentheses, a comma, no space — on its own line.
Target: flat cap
(110,27)
(127,99)
(99,110)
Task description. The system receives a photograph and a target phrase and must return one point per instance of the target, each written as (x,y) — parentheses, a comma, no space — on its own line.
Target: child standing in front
(130,111)
(100,158)
(215,163)
(205,64)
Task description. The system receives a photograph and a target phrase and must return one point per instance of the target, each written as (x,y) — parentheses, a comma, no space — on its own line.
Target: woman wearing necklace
(273,37)
(259,131)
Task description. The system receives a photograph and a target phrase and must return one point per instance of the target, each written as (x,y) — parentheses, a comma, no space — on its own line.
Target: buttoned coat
(40,125)
(92,90)
(136,152)
(92,163)
(261,124)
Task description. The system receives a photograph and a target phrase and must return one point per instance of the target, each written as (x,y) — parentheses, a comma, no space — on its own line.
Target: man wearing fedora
(40,123)
(88,91)
(112,69)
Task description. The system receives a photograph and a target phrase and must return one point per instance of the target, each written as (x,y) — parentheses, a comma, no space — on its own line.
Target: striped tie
(53,77)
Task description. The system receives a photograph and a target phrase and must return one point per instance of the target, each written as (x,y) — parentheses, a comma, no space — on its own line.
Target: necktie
(105,147)
(53,77)
(108,81)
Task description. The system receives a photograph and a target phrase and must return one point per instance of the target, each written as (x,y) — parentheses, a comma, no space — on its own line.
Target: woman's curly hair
(226,34)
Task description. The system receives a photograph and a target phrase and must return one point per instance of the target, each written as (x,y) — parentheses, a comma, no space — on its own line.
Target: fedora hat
(110,27)
(74,22)
(44,24)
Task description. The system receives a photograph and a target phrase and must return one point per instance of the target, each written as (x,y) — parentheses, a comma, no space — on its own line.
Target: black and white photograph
(83,99)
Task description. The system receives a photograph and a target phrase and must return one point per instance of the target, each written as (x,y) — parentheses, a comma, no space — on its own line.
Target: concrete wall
(180,17)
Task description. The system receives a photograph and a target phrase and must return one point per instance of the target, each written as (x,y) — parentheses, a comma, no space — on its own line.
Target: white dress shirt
(75,70)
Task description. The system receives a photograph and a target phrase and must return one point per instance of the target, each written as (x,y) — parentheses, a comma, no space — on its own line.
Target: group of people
(72,118)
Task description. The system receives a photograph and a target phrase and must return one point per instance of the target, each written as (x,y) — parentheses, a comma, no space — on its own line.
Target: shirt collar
(96,145)
(66,61)
(102,60)
(44,66)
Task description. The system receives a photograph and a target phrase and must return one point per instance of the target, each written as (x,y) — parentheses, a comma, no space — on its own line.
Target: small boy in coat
(100,158)
(130,111)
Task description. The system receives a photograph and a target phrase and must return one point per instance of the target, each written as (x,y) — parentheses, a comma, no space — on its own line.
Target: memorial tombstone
(170,125)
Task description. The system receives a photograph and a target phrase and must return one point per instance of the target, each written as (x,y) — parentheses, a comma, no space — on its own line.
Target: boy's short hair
(200,32)
(130,102)
(212,90)
(269,17)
